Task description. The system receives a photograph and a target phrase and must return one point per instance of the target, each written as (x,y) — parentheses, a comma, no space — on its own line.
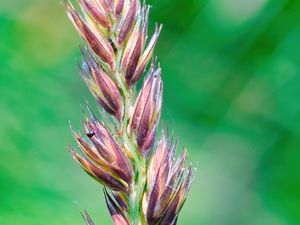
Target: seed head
(143,182)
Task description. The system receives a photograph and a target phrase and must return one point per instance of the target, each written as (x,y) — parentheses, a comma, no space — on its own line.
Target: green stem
(136,195)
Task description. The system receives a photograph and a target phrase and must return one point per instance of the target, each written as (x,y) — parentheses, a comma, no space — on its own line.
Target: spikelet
(143,183)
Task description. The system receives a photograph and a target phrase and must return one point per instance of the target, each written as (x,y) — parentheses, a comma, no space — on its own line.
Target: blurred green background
(232,94)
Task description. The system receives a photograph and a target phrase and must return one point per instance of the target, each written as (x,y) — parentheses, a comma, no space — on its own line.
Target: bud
(145,57)
(115,212)
(127,19)
(103,158)
(135,45)
(170,215)
(169,184)
(91,152)
(147,110)
(132,52)
(102,86)
(99,173)
(92,36)
(96,12)
(106,145)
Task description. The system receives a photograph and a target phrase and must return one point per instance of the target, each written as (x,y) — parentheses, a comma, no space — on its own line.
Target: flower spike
(142,180)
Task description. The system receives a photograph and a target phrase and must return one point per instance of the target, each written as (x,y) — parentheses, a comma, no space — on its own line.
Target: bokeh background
(232,94)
